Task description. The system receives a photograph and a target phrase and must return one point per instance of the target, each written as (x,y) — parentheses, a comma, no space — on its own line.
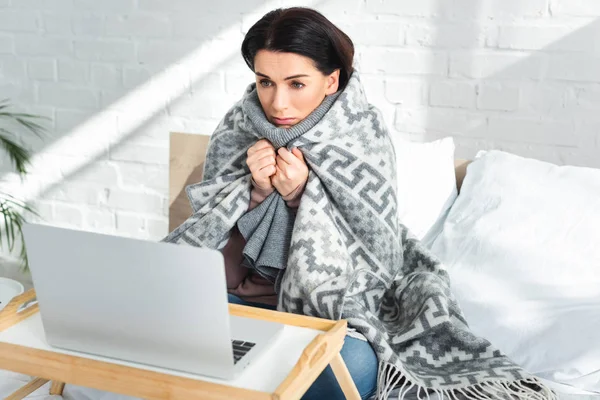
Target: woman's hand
(261,161)
(291,171)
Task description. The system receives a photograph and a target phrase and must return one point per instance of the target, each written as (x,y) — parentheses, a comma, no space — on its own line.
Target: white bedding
(10,382)
(521,246)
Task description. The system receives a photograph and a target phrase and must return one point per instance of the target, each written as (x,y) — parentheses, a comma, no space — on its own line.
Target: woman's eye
(298,85)
(265,83)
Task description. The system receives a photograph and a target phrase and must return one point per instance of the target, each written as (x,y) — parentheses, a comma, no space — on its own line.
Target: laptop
(152,303)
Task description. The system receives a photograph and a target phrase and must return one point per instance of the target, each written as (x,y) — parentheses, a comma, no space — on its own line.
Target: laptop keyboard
(240,349)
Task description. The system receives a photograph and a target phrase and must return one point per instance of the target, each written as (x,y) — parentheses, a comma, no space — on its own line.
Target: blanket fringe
(391,377)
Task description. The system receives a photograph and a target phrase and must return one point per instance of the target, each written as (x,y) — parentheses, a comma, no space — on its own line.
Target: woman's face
(290,87)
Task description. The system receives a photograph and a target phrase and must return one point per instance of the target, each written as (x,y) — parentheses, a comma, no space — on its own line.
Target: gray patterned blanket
(348,255)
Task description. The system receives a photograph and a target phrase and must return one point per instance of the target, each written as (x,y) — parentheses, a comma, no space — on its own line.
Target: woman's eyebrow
(288,78)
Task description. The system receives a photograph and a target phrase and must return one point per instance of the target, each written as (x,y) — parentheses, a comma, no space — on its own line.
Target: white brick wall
(116,76)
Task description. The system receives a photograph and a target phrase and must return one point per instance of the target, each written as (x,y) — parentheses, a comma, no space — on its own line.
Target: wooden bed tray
(49,364)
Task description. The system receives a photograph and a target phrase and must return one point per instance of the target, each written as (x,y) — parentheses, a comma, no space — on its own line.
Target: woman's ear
(333,82)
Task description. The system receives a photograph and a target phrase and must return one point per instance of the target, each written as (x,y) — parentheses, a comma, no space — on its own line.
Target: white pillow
(522,247)
(426,182)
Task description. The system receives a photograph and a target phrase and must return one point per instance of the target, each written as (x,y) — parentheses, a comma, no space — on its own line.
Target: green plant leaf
(9,200)
(12,199)
(8,222)
(11,225)
(10,207)
(18,220)
(36,129)
(18,155)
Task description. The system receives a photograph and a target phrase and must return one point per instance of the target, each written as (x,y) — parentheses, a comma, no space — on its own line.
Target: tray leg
(344,378)
(57,388)
(10,314)
(26,390)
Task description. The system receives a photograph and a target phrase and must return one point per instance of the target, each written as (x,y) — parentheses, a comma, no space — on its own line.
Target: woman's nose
(280,100)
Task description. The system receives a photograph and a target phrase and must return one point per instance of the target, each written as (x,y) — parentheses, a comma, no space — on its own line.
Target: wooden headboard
(186,162)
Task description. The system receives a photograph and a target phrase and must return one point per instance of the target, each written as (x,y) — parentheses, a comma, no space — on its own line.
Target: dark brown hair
(306,32)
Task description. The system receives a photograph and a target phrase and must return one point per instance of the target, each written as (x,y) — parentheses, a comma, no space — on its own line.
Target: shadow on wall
(116,53)
(165,80)
(143,164)
(528,89)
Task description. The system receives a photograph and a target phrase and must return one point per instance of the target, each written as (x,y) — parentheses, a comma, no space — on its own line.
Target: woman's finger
(264,162)
(281,164)
(260,155)
(261,144)
(287,156)
(276,176)
(267,171)
(266,152)
(296,151)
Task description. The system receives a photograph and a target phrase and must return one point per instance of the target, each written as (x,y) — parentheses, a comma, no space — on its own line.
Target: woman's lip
(283,120)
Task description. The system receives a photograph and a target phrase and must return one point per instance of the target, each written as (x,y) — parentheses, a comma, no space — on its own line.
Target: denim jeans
(358,356)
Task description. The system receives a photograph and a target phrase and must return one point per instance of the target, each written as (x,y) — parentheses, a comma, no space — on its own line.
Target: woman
(299,192)
(299,57)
